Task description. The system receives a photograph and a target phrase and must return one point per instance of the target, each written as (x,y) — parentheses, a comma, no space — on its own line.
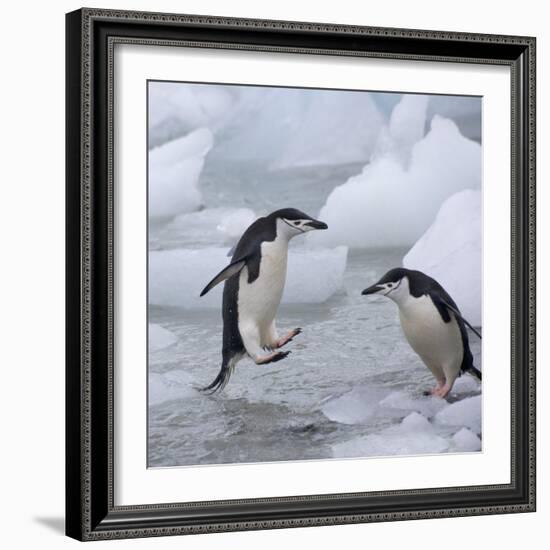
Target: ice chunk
(174,170)
(407,126)
(465,441)
(280,127)
(177,108)
(402,401)
(235,223)
(354,407)
(392,205)
(176,277)
(170,385)
(465,413)
(415,435)
(450,252)
(349,123)
(208,227)
(160,338)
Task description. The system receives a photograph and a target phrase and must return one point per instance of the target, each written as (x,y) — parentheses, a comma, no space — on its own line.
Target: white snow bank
(176,277)
(465,413)
(402,401)
(160,338)
(176,108)
(174,170)
(211,226)
(465,441)
(170,385)
(415,435)
(450,252)
(392,205)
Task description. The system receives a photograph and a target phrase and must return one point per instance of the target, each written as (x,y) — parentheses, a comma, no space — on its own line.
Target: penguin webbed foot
(271,358)
(288,337)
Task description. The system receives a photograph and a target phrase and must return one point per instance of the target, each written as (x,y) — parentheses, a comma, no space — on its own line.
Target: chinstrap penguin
(254,283)
(432,324)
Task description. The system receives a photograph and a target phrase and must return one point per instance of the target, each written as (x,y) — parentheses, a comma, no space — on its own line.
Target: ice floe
(176,277)
(464,413)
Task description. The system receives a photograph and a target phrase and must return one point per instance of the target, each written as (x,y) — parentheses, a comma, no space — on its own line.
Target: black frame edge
(73,289)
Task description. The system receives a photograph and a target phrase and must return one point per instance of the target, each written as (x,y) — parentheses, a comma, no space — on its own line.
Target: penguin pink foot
(270,358)
(288,337)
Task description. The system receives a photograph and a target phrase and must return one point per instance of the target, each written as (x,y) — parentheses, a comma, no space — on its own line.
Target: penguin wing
(232,269)
(458,315)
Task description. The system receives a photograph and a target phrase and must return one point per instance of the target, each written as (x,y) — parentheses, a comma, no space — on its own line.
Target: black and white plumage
(432,324)
(254,284)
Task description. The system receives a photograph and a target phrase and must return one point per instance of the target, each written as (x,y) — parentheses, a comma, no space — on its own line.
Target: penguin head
(291,222)
(394,284)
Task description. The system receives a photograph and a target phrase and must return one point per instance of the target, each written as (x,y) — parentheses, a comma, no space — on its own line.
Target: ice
(450,252)
(354,407)
(281,127)
(389,204)
(464,413)
(174,170)
(176,277)
(160,338)
(211,226)
(174,384)
(349,127)
(406,127)
(415,435)
(235,223)
(465,441)
(175,109)
(402,401)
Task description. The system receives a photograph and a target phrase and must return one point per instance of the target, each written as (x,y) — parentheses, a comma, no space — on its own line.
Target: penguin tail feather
(474,372)
(221,380)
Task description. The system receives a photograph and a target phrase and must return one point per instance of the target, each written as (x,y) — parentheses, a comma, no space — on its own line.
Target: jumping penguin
(254,283)
(432,323)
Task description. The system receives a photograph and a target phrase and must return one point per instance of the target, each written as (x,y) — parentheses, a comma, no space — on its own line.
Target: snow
(235,223)
(450,252)
(392,203)
(175,109)
(174,170)
(160,338)
(176,277)
(414,435)
(354,407)
(465,441)
(464,413)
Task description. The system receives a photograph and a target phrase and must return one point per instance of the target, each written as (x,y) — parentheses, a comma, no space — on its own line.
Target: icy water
(351,386)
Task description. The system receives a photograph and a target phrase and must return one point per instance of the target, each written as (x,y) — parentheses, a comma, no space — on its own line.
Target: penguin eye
(390,285)
(296,223)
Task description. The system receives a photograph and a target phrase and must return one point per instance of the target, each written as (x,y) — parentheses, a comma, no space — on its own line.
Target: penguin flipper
(232,269)
(459,315)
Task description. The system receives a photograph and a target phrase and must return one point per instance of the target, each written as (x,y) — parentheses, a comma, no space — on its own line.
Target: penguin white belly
(259,301)
(438,344)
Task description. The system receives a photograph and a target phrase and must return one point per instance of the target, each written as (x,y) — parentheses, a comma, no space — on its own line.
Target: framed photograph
(300,274)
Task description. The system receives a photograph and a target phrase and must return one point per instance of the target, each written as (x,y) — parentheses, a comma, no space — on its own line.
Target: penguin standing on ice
(432,324)
(254,283)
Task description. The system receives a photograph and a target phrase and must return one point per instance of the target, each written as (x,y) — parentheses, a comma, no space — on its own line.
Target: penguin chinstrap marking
(253,286)
(432,324)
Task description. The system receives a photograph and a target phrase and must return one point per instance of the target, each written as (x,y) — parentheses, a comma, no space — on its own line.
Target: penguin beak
(374,289)
(315,224)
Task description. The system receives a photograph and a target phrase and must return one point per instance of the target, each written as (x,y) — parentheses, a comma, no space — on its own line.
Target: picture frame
(91,510)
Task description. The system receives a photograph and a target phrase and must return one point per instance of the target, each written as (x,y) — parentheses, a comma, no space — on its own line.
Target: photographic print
(314,274)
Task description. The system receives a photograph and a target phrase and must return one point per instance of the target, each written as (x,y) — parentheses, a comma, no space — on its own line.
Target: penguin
(432,324)
(253,287)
